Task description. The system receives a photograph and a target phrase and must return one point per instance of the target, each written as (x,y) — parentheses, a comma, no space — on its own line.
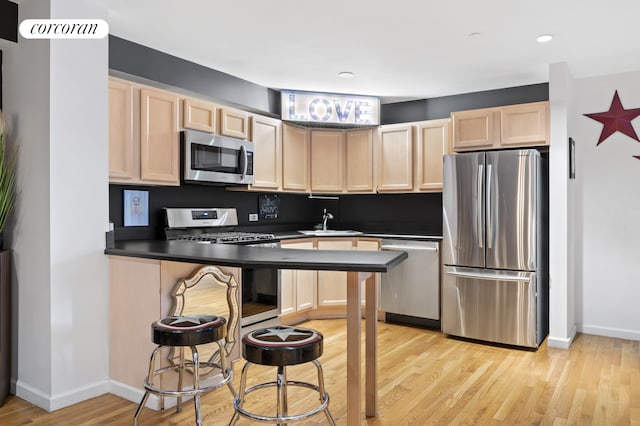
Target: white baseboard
(51,403)
(617,333)
(135,395)
(562,342)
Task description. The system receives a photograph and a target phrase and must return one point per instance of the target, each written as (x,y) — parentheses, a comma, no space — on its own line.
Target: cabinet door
(475,129)
(233,123)
(131,281)
(369,245)
(525,125)
(122,143)
(359,161)
(265,134)
(159,143)
(295,158)
(327,160)
(395,158)
(298,287)
(332,285)
(431,145)
(198,115)
(287,291)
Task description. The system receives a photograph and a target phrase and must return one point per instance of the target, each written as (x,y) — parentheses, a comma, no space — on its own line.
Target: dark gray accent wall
(138,60)
(8,20)
(442,107)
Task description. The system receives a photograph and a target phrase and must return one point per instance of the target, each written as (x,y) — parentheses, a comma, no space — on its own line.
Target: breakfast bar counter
(359,265)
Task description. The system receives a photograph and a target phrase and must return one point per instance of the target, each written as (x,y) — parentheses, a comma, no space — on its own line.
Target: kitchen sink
(330,232)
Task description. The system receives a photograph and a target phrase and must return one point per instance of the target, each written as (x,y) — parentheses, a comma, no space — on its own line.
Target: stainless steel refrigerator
(495,247)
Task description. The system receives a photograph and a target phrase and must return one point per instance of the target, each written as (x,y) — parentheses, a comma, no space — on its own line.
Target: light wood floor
(425,378)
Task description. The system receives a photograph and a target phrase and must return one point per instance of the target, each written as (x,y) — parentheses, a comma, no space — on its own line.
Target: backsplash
(388,213)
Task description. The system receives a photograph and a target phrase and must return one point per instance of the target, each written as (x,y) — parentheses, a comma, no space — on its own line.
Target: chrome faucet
(325,216)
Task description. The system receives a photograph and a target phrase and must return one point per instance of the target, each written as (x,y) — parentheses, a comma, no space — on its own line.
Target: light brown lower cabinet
(327,289)
(297,286)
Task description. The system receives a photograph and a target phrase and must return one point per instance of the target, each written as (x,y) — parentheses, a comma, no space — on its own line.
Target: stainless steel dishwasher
(411,291)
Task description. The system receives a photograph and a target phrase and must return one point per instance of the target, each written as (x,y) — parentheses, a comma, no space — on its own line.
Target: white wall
(26,109)
(607,211)
(562,327)
(56,100)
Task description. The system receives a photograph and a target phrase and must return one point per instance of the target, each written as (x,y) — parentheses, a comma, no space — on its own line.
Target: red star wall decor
(617,119)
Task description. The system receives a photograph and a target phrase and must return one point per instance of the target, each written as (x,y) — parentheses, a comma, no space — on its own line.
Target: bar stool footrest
(324,402)
(227,375)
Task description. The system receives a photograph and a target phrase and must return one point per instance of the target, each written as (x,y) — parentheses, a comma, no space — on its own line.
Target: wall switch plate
(253,217)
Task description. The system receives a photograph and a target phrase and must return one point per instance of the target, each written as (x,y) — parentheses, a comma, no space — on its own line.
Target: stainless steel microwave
(209,158)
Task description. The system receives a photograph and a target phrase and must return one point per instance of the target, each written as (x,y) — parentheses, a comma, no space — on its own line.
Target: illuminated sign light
(330,108)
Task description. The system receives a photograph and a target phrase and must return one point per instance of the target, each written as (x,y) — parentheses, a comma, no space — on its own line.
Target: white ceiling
(398,49)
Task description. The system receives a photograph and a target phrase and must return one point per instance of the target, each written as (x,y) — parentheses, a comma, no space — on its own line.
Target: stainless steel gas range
(260,304)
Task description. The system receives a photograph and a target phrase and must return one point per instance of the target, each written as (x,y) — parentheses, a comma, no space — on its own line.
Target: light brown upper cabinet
(359,175)
(159,139)
(198,115)
(295,158)
(432,142)
(267,153)
(122,151)
(143,135)
(525,125)
(395,158)
(233,123)
(494,128)
(327,160)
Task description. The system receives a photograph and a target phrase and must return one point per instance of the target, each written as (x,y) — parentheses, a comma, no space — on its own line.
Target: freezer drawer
(413,287)
(491,305)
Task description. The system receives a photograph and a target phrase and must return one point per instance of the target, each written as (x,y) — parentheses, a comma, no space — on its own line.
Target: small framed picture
(136,208)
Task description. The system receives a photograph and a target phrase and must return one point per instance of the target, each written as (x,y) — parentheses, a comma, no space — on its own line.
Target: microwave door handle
(244,160)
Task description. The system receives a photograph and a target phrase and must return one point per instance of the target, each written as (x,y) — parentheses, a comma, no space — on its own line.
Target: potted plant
(7,201)
(7,181)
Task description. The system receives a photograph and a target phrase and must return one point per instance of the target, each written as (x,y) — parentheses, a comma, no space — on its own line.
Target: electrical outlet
(253,217)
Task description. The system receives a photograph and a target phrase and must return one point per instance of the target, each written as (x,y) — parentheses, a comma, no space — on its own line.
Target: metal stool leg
(281,381)
(239,399)
(322,392)
(223,365)
(180,379)
(196,384)
(140,407)
(152,362)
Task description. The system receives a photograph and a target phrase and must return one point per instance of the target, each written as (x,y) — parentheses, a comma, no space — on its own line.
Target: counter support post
(371,366)
(354,331)
(354,314)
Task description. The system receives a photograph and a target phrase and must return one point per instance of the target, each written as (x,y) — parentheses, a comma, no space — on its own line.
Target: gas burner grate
(227,237)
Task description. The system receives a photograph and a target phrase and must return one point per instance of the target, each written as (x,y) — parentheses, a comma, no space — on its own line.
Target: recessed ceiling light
(345,74)
(544,38)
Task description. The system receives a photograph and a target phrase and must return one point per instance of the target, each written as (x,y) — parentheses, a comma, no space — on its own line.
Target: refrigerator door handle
(479,206)
(489,276)
(489,217)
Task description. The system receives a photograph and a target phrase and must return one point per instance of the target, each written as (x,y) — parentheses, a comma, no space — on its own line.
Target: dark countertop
(253,257)
(289,235)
